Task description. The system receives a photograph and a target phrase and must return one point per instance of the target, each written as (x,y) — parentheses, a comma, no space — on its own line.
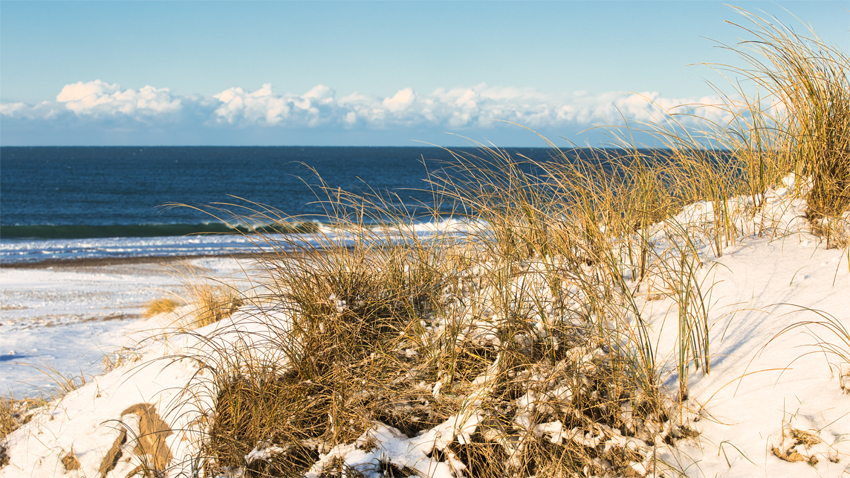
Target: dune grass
(209,299)
(526,330)
(160,306)
(210,303)
(831,337)
(788,111)
(528,321)
(807,82)
(409,336)
(14,413)
(8,422)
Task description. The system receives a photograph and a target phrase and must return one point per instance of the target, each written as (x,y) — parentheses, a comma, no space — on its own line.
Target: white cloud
(262,107)
(101,98)
(13,109)
(400,101)
(46,110)
(321,94)
(458,109)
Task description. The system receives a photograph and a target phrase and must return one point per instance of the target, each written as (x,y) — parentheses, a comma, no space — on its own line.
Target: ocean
(102,202)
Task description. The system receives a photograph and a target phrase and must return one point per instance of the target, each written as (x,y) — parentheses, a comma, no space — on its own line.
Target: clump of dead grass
(351,313)
(160,306)
(15,413)
(525,322)
(211,304)
(70,461)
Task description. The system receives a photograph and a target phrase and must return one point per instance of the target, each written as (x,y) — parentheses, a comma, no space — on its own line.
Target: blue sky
(359,73)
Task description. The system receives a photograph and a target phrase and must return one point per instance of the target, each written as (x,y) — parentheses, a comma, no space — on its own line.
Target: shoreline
(120,261)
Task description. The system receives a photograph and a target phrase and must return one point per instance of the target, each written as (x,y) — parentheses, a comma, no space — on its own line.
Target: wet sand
(71,264)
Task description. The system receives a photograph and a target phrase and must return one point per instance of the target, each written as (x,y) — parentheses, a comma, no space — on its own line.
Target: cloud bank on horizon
(367,73)
(155,115)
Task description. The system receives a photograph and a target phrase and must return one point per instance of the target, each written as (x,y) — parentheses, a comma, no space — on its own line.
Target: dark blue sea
(95,202)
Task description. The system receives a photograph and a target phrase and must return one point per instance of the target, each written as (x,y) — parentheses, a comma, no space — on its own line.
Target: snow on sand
(69,317)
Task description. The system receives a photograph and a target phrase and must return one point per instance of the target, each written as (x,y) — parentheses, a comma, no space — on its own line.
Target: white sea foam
(37,250)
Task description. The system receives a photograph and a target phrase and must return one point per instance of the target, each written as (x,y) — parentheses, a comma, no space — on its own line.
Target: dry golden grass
(8,423)
(797,121)
(210,304)
(160,306)
(808,82)
(406,332)
(70,461)
(210,299)
(13,414)
(119,357)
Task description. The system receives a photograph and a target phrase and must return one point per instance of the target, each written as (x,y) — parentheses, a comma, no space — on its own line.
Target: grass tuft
(14,413)
(160,306)
(212,304)
(525,323)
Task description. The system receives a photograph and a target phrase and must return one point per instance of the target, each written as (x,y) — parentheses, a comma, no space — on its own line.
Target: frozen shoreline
(69,315)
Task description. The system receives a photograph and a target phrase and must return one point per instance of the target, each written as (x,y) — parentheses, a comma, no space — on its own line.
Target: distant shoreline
(115,261)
